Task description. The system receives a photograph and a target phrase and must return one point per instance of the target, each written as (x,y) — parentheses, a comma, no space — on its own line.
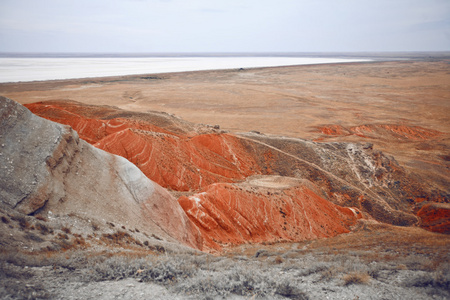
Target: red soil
(334,130)
(91,130)
(435,217)
(386,131)
(179,163)
(233,214)
(174,161)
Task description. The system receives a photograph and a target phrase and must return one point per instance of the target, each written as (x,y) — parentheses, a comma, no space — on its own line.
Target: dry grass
(411,257)
(356,278)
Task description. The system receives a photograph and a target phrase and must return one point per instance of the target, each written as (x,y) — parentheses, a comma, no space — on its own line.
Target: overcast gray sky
(224,26)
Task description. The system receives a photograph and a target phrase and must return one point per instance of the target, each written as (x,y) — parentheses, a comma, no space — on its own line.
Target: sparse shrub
(5,220)
(66,230)
(95,226)
(313,267)
(62,236)
(278,260)
(330,273)
(243,280)
(289,291)
(157,248)
(262,253)
(417,262)
(12,287)
(156,237)
(23,222)
(437,279)
(65,244)
(81,242)
(41,218)
(164,271)
(441,279)
(356,278)
(119,237)
(33,237)
(44,229)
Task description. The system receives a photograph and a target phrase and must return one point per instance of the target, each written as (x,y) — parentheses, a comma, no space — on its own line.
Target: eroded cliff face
(265,209)
(47,168)
(212,166)
(182,163)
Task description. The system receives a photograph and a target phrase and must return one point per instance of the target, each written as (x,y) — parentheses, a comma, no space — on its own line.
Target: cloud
(200,25)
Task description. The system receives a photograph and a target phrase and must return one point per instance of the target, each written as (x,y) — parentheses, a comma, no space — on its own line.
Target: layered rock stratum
(47,170)
(251,187)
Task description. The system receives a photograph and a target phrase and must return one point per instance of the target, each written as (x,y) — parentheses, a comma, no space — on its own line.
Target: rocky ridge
(48,171)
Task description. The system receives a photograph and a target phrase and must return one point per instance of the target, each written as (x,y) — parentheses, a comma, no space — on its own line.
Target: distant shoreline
(26,69)
(38,67)
(136,76)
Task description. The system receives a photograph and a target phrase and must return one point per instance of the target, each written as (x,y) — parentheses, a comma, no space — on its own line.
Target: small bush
(156,237)
(62,236)
(34,237)
(289,291)
(278,260)
(262,253)
(5,220)
(44,229)
(41,218)
(356,278)
(330,273)
(23,222)
(95,226)
(437,279)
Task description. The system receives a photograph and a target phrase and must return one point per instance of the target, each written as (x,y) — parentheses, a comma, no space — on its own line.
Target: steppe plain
(401,107)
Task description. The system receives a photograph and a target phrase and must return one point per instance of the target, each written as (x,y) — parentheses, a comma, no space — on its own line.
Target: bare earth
(286,101)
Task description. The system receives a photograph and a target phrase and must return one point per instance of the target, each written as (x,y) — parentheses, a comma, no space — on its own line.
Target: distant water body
(15,68)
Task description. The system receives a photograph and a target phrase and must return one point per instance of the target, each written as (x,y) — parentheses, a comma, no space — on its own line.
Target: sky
(146,26)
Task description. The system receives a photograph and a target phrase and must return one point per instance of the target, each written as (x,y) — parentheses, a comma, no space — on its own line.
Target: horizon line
(219,54)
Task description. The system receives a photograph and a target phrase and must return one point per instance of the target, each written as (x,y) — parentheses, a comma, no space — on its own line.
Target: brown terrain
(271,164)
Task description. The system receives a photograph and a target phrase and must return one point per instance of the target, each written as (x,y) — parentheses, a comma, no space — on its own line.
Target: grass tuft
(356,278)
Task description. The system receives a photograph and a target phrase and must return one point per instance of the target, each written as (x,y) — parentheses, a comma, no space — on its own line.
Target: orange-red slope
(384,131)
(174,161)
(435,217)
(89,129)
(232,214)
(180,163)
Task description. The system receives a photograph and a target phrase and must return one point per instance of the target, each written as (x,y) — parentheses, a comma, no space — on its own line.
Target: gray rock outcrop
(44,167)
